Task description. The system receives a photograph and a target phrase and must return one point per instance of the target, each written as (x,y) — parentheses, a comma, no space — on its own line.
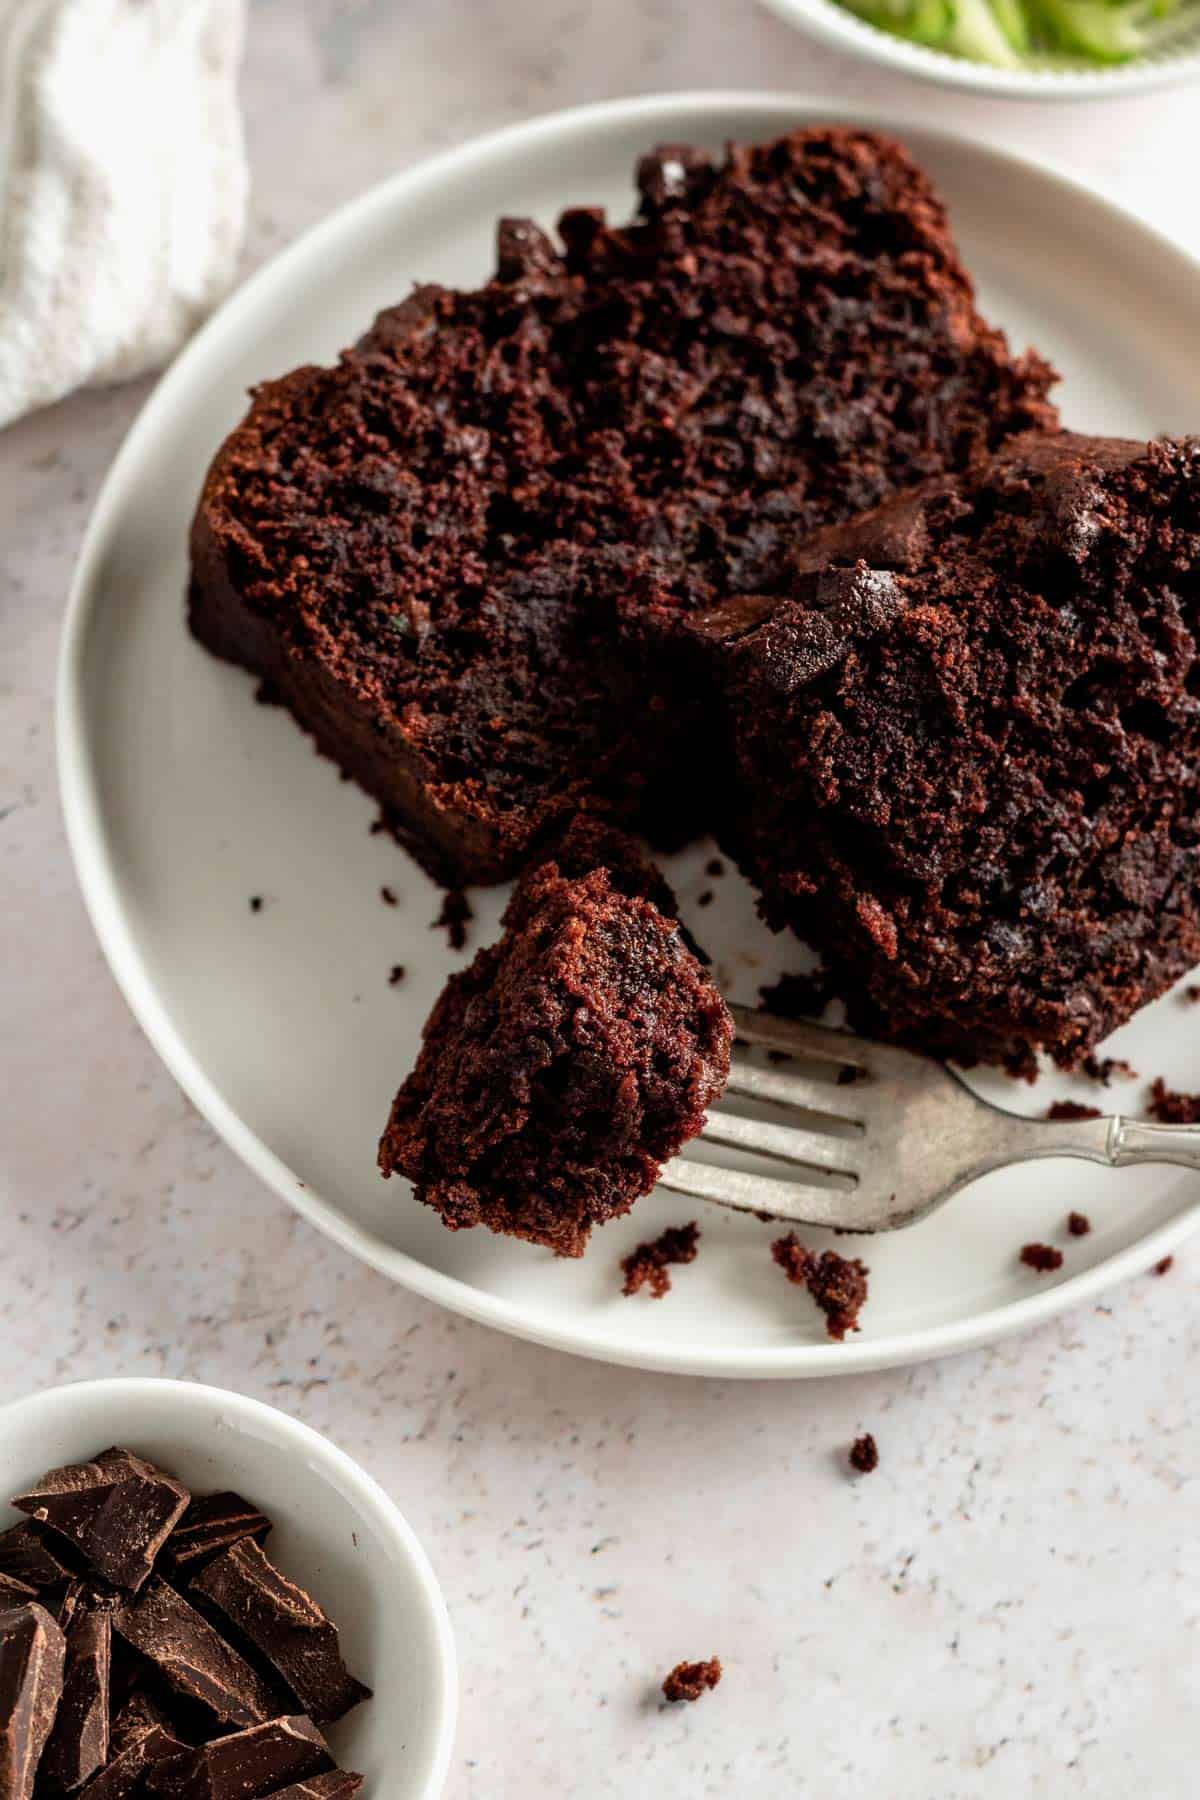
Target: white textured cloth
(122,186)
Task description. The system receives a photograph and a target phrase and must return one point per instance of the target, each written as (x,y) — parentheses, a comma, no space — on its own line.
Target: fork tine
(801,1091)
(797,1037)
(810,1149)
(794,1202)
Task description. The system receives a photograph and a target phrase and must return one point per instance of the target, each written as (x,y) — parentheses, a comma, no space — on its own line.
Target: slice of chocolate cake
(567,1063)
(968,748)
(441,553)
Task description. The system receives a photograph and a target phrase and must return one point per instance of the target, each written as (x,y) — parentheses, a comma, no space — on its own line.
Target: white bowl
(336,1533)
(1175,58)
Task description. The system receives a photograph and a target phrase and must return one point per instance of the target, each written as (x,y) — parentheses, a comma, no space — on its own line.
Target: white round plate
(184,799)
(335,1532)
(1175,57)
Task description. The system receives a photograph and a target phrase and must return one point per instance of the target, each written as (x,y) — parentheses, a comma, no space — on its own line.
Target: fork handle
(1112,1140)
(1136,1141)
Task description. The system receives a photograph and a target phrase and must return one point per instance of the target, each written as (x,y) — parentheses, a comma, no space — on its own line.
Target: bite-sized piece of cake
(968,748)
(567,1063)
(439,553)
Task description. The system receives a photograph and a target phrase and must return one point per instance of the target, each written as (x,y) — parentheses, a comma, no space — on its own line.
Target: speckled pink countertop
(1011,1604)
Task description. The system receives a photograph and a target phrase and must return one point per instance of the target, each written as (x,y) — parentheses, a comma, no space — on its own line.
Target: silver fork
(912,1133)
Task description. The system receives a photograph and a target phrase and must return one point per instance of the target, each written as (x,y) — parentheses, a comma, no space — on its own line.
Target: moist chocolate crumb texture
(570,1060)
(688,1680)
(838,1284)
(115,1685)
(459,555)
(649,1266)
(967,748)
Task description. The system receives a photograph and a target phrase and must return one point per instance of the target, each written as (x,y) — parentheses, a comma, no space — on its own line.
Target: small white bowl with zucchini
(1027,49)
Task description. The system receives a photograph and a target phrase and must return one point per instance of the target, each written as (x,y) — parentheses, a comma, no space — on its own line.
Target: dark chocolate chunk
(335,1784)
(68,1605)
(286,1626)
(32,1649)
(211,1524)
(140,1743)
(117,1510)
(26,1556)
(138,1715)
(14,1592)
(247,1764)
(190,1655)
(78,1744)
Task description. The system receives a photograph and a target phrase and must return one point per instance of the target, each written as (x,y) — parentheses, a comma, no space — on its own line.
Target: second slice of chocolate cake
(968,748)
(569,1061)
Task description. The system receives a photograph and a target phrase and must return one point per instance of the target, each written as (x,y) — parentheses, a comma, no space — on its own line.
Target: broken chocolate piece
(286,1626)
(124,1778)
(14,1592)
(26,1556)
(335,1784)
(117,1510)
(78,1744)
(32,1649)
(246,1765)
(140,1713)
(210,1525)
(196,1662)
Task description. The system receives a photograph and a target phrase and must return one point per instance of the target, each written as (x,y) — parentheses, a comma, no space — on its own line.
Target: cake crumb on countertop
(688,1680)
(864,1454)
